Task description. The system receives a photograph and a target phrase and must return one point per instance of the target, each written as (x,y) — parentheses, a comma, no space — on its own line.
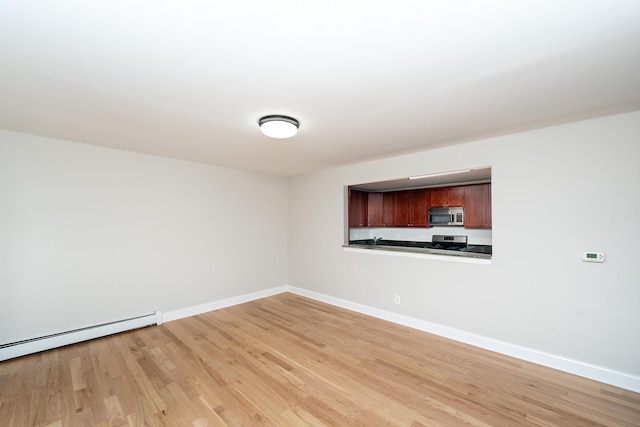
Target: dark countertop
(473,251)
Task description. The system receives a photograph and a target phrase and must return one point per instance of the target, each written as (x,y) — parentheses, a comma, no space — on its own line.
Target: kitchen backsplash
(476,236)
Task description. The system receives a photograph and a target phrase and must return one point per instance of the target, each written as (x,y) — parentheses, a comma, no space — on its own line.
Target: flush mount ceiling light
(276,126)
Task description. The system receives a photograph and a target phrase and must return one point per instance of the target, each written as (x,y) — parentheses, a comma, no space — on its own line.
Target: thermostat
(593,256)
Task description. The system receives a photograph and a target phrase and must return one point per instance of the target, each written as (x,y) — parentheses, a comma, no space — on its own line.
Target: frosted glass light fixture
(276,126)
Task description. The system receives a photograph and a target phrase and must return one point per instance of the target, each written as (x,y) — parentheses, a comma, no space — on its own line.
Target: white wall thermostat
(593,256)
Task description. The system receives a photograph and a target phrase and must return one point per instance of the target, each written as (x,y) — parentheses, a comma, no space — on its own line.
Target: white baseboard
(586,370)
(168,316)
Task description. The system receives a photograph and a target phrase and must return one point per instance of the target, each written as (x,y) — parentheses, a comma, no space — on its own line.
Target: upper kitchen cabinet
(358,204)
(401,209)
(419,208)
(381,209)
(410,208)
(447,196)
(477,207)
(387,209)
(375,210)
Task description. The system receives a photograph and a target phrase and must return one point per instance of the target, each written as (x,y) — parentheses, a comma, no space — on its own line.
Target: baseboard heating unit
(48,342)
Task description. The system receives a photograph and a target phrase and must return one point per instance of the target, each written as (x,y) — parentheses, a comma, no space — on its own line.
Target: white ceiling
(366,79)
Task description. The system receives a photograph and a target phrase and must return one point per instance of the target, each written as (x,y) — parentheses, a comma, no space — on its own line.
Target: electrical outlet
(396,299)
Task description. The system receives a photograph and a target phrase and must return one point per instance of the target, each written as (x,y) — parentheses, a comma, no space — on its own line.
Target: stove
(449,243)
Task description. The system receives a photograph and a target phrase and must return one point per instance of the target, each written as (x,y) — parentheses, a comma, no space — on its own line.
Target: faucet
(376,240)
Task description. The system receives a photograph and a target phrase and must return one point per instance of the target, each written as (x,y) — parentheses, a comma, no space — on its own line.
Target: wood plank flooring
(290,361)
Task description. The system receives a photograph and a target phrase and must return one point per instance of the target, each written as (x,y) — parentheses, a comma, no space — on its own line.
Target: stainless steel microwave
(439,217)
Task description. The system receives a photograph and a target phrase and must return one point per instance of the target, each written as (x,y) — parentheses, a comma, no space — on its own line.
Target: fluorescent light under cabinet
(431,175)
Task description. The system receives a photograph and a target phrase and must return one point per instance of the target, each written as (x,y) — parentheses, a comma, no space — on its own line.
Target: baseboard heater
(48,342)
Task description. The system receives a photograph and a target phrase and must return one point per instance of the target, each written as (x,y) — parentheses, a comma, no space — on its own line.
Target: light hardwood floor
(288,360)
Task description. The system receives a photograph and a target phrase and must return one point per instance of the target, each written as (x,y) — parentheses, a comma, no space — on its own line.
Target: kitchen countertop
(473,251)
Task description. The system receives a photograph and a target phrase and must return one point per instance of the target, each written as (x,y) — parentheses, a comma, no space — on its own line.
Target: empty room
(218,213)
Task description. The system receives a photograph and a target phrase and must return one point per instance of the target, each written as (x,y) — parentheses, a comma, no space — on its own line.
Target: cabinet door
(447,196)
(375,210)
(419,208)
(388,200)
(439,197)
(401,209)
(357,208)
(488,216)
(477,208)
(456,196)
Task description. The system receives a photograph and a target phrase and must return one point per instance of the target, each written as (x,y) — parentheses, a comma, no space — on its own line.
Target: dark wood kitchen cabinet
(477,206)
(358,204)
(419,208)
(401,209)
(387,209)
(380,209)
(375,210)
(447,196)
(410,208)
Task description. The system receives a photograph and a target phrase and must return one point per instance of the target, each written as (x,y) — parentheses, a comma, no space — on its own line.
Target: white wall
(91,234)
(555,192)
